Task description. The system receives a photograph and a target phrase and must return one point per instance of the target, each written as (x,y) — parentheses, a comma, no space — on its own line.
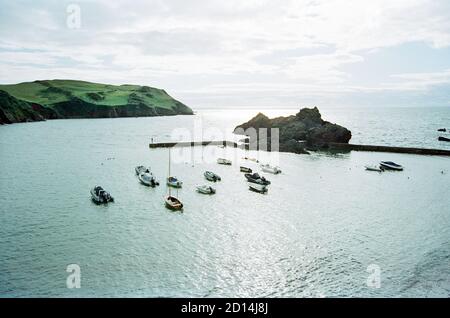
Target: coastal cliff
(59,99)
(305,129)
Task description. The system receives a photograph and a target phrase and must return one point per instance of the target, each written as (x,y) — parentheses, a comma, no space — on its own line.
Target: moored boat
(270,169)
(222,161)
(173,203)
(99,195)
(261,188)
(374,168)
(389,165)
(211,176)
(205,189)
(174,182)
(141,169)
(245,169)
(256,178)
(148,179)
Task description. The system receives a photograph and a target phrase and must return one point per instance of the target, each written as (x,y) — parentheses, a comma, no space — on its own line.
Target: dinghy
(99,195)
(260,188)
(173,203)
(389,165)
(211,176)
(256,178)
(222,161)
(147,179)
(374,168)
(268,168)
(141,169)
(245,169)
(174,182)
(205,189)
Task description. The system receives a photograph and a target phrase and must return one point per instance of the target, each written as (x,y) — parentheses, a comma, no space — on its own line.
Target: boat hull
(252,179)
(206,190)
(257,188)
(174,204)
(210,176)
(391,166)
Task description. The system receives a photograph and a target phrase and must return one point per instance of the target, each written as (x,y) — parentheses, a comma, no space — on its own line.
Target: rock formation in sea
(40,100)
(306,129)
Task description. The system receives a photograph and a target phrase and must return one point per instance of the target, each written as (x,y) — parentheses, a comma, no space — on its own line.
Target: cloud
(251,48)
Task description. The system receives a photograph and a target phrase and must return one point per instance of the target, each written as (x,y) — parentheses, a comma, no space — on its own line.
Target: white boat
(141,169)
(374,168)
(391,165)
(261,188)
(211,176)
(251,159)
(205,189)
(148,179)
(246,170)
(223,161)
(174,182)
(99,195)
(172,202)
(268,168)
(256,178)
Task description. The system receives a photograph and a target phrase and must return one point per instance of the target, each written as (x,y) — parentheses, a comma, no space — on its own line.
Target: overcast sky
(238,52)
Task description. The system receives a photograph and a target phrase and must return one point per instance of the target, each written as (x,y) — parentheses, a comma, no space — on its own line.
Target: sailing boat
(172,202)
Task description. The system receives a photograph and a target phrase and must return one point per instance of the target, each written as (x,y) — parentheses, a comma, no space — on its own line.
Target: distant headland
(61,99)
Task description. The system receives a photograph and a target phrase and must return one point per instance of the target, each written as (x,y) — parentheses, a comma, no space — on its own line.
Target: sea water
(326,227)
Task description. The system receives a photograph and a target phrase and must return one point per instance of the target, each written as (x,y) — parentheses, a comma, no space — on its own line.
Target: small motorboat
(211,176)
(148,179)
(222,161)
(443,138)
(268,168)
(141,169)
(99,195)
(256,178)
(246,170)
(173,203)
(174,182)
(205,189)
(260,188)
(374,168)
(389,165)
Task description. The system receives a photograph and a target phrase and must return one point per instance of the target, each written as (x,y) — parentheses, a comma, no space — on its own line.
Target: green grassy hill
(78,99)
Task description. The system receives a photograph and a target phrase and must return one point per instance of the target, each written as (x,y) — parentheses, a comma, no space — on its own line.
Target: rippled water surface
(322,223)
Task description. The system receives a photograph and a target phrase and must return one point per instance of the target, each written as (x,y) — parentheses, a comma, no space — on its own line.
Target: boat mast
(170,192)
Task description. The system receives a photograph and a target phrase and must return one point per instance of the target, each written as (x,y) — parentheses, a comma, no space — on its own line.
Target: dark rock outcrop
(13,110)
(296,132)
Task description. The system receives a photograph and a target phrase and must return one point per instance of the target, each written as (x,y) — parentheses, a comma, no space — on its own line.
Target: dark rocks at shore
(13,110)
(298,132)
